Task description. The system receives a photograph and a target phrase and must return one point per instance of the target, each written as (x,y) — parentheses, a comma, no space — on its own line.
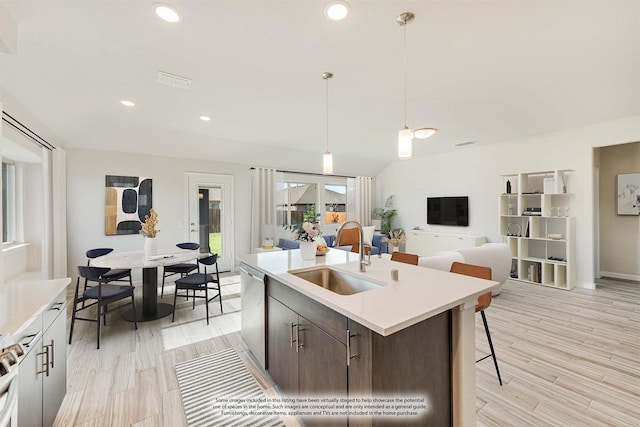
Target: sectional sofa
(347,240)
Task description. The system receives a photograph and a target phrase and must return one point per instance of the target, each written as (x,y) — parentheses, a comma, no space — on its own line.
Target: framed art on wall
(127,200)
(628,193)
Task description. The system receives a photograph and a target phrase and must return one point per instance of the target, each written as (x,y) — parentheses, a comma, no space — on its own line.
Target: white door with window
(210,215)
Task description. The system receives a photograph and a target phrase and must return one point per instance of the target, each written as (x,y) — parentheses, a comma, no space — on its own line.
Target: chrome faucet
(336,242)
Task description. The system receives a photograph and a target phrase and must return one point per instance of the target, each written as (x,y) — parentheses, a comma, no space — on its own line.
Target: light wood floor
(566,359)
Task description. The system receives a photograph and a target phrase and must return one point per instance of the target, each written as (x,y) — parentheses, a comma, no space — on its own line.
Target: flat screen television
(448,210)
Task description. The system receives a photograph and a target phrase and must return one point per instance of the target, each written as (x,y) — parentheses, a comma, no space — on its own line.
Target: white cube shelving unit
(536,223)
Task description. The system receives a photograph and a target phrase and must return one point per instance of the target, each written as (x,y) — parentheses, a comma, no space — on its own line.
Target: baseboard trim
(624,276)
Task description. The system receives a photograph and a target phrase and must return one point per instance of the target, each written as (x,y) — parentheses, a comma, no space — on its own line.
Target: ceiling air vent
(462,144)
(173,80)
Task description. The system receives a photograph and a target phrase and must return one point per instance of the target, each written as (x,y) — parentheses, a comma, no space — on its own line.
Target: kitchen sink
(336,281)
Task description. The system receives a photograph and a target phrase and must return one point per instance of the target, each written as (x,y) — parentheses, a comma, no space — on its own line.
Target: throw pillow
(368,234)
(320,241)
(349,236)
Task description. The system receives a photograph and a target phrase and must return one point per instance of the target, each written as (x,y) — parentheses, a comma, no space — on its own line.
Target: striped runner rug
(208,382)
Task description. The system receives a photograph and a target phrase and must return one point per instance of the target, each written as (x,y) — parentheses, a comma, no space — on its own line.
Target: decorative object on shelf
(565,178)
(395,239)
(149,231)
(549,185)
(555,236)
(508,187)
(514,229)
(386,215)
(327,158)
(406,135)
(127,201)
(628,191)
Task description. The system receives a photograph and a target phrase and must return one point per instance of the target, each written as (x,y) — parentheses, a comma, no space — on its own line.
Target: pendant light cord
(327,114)
(404,64)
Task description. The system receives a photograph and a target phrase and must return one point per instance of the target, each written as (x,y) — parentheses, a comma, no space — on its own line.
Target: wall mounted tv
(448,210)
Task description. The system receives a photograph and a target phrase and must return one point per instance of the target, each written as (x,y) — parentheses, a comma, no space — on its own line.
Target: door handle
(291,333)
(298,345)
(45,365)
(349,355)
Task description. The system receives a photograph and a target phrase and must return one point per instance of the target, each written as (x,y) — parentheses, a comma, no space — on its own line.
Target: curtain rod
(26,131)
(310,173)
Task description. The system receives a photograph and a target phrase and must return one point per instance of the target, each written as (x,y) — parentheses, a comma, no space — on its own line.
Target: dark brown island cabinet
(314,352)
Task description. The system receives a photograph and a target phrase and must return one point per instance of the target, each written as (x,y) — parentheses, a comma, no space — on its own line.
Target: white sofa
(496,256)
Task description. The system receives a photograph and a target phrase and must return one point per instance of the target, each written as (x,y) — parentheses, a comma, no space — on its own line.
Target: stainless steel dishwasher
(253,313)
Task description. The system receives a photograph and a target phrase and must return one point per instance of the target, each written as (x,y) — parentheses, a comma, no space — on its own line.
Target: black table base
(163,310)
(151,309)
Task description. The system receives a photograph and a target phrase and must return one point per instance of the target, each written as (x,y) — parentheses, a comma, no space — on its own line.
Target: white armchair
(496,256)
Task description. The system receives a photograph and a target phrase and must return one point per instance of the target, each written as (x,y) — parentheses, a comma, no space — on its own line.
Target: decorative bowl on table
(321,250)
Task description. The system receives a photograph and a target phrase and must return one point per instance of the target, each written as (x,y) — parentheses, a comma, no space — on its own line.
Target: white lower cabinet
(43,371)
(425,243)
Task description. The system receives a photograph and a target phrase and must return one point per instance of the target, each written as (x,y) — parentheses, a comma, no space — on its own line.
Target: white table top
(137,259)
(420,292)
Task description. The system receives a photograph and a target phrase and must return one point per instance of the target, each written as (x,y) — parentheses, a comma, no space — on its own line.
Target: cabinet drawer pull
(57,306)
(291,340)
(34,338)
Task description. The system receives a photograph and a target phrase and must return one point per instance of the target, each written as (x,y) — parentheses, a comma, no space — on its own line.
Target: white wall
(86,170)
(475,171)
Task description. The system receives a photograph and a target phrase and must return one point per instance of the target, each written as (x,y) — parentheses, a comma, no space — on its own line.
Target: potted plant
(386,215)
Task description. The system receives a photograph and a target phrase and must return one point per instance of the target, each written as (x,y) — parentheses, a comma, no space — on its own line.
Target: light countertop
(420,292)
(21,302)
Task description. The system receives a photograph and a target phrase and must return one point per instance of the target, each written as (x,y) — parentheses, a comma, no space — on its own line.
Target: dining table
(151,309)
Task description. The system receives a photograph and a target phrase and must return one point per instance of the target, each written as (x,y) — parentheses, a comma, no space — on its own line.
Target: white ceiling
(485,71)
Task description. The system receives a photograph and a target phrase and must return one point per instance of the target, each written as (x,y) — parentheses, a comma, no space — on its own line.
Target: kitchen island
(406,338)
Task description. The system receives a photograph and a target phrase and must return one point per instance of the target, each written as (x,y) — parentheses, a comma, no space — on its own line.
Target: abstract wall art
(127,200)
(628,191)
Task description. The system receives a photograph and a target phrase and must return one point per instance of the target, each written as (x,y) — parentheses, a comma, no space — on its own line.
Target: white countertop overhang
(20,303)
(420,292)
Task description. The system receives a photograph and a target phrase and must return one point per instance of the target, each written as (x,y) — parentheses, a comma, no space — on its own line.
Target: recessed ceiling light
(205,118)
(166,12)
(337,10)
(127,103)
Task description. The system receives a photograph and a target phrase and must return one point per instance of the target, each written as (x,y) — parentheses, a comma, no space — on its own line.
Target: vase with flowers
(306,233)
(395,239)
(149,231)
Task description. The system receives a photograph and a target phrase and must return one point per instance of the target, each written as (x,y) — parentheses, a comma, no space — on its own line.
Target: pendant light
(406,135)
(327,158)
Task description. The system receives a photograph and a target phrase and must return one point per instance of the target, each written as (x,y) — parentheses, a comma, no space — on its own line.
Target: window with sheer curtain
(8,203)
(303,196)
(289,196)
